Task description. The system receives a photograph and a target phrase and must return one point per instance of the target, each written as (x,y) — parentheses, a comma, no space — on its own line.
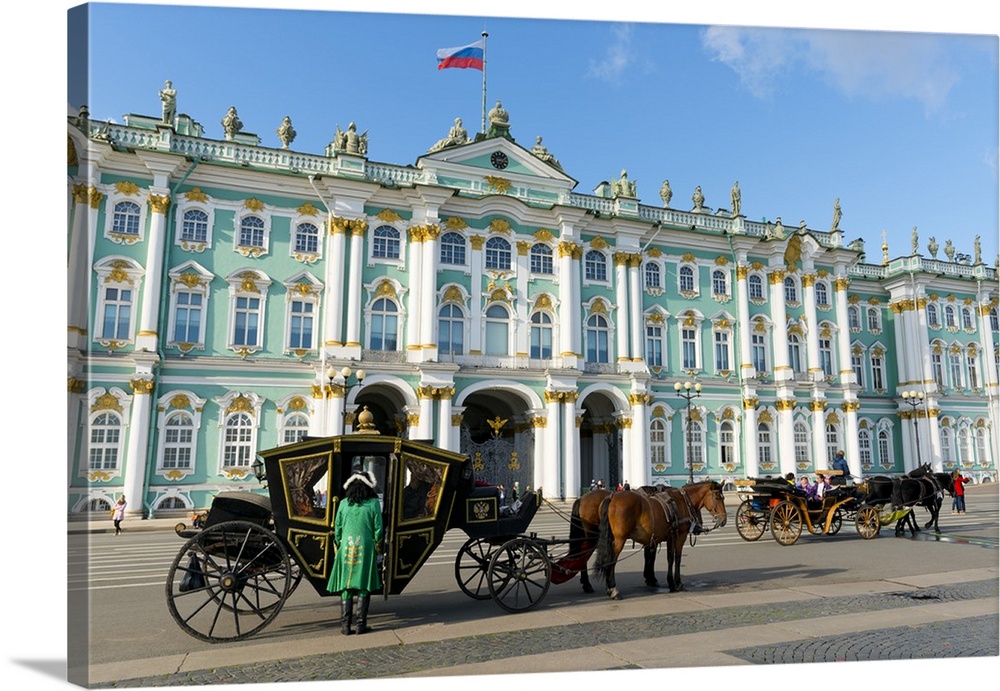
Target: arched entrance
(498,436)
(386,402)
(600,441)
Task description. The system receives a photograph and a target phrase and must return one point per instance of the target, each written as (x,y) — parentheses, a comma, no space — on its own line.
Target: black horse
(920,487)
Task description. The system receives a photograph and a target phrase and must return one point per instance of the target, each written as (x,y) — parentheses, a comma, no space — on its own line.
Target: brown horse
(667,516)
(585,521)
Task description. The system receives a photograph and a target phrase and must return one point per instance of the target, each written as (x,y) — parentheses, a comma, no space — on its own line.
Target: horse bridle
(696,514)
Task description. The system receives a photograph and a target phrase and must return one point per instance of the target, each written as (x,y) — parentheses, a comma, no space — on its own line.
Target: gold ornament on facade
(106,401)
(765,417)
(385,289)
(338,225)
(126,187)
(568,249)
(455,223)
(159,203)
(191,280)
(75,385)
(742,272)
(432,231)
(500,225)
(634,260)
(416,234)
(236,473)
(179,401)
(495,424)
(783,405)
(453,294)
(654,252)
(476,242)
(95,196)
(196,195)
(721,260)
(456,420)
(777,276)
(388,216)
(357,227)
(543,302)
(654,318)
(253,204)
(750,403)
(240,404)
(523,247)
(497,184)
(98,476)
(544,235)
(539,422)
(808,280)
(141,386)
(598,243)
(817,406)
(513,463)
(297,404)
(620,258)
(316,391)
(688,258)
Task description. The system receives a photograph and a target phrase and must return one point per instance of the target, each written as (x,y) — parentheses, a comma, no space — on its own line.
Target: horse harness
(671,512)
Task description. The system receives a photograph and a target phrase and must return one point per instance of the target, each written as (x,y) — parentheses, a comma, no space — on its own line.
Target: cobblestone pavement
(962,637)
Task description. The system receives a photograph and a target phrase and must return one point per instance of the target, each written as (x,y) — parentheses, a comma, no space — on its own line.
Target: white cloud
(867,64)
(617,57)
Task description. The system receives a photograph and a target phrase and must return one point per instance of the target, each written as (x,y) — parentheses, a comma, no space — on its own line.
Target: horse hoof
(588,589)
(614,594)
(653,584)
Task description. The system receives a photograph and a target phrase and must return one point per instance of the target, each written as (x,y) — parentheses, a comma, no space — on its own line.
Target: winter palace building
(221,287)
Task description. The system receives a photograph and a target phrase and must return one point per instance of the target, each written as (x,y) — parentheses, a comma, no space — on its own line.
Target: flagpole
(483,127)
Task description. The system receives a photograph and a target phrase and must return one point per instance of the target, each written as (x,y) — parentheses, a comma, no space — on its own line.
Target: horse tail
(605,543)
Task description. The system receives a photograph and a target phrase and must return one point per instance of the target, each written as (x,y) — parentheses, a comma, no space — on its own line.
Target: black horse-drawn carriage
(232,576)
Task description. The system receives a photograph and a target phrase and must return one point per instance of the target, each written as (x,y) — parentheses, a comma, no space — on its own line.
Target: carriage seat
(485,492)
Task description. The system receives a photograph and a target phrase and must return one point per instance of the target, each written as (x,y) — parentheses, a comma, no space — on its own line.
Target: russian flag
(464,56)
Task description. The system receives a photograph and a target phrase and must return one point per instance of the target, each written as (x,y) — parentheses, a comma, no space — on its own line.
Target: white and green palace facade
(215,283)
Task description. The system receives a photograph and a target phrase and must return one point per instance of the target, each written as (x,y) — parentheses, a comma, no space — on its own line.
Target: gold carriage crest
(481,509)
(477,461)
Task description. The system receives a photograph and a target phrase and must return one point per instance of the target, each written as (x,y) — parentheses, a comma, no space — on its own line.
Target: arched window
(696,445)
(949,317)
(947,458)
(874,320)
(685,279)
(727,443)
(764,457)
(755,287)
(720,284)
(937,366)
(865,448)
(955,368)
(791,290)
(451,330)
(497,330)
(832,443)
(854,318)
(178,439)
(972,365)
(238,441)
(878,371)
(385,243)
(964,446)
(384,325)
(794,352)
(982,447)
(967,322)
(541,336)
(595,266)
(822,294)
(657,442)
(306,238)
(801,437)
(105,441)
(295,428)
(932,315)
(452,249)
(251,232)
(826,355)
(597,339)
(654,280)
(497,254)
(126,218)
(540,258)
(884,449)
(194,226)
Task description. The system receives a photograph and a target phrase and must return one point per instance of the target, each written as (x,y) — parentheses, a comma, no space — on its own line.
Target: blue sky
(901,127)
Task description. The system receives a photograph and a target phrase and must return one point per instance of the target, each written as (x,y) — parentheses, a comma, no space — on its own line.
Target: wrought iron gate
(501,460)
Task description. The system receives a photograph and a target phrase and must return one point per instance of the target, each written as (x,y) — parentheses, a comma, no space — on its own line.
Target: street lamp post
(914,399)
(344,386)
(687,391)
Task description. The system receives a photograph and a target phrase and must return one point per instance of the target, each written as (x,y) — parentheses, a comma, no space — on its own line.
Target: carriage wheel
(471,568)
(750,524)
(867,522)
(836,523)
(786,523)
(229,581)
(519,575)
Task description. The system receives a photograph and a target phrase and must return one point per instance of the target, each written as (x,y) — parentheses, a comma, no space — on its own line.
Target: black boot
(363,602)
(346,606)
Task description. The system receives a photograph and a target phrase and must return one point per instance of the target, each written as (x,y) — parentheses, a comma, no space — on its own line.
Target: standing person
(357,531)
(118,514)
(958,504)
(840,463)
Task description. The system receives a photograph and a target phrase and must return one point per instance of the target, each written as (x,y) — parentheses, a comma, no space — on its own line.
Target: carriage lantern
(344,387)
(687,391)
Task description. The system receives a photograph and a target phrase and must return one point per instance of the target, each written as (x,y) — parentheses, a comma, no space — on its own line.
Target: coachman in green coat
(357,532)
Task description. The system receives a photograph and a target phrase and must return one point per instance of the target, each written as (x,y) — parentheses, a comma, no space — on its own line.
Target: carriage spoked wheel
(867,522)
(836,523)
(472,567)
(750,523)
(519,574)
(786,523)
(229,581)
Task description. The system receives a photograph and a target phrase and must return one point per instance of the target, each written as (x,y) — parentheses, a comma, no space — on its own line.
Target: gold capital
(159,203)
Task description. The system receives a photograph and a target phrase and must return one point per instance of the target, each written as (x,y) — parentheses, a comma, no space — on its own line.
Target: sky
(902,127)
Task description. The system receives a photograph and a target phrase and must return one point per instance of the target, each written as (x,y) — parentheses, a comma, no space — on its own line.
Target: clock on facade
(499,160)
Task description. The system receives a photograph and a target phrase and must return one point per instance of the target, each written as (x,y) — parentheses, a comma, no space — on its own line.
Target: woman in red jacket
(958,506)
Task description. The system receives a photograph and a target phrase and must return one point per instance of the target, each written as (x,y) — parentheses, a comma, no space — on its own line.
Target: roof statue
(623,187)
(837,215)
(949,250)
(286,134)
(666,194)
(977,250)
(456,137)
(497,115)
(914,241)
(543,154)
(350,141)
(231,124)
(736,198)
(698,198)
(932,247)
(169,97)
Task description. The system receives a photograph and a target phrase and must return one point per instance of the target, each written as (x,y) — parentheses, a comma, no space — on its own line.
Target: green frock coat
(356,530)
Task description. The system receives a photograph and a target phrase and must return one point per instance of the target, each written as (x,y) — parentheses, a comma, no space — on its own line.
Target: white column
(818,436)
(571,448)
(425,425)
(635,306)
(743,316)
(428,293)
(624,424)
(749,436)
(88,201)
(569,303)
(786,435)
(622,312)
(639,472)
(522,346)
(843,335)
(476,295)
(137,447)
(353,331)
(336,262)
(415,297)
(550,472)
(456,428)
(150,311)
(444,436)
(812,327)
(539,448)
(852,448)
(779,335)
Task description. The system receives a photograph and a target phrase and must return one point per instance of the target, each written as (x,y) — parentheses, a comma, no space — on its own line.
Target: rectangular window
(955,363)
(117,313)
(857,364)
(654,346)
(878,373)
(758,352)
(826,356)
(300,336)
(187,317)
(973,372)
(689,352)
(722,351)
(247,321)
